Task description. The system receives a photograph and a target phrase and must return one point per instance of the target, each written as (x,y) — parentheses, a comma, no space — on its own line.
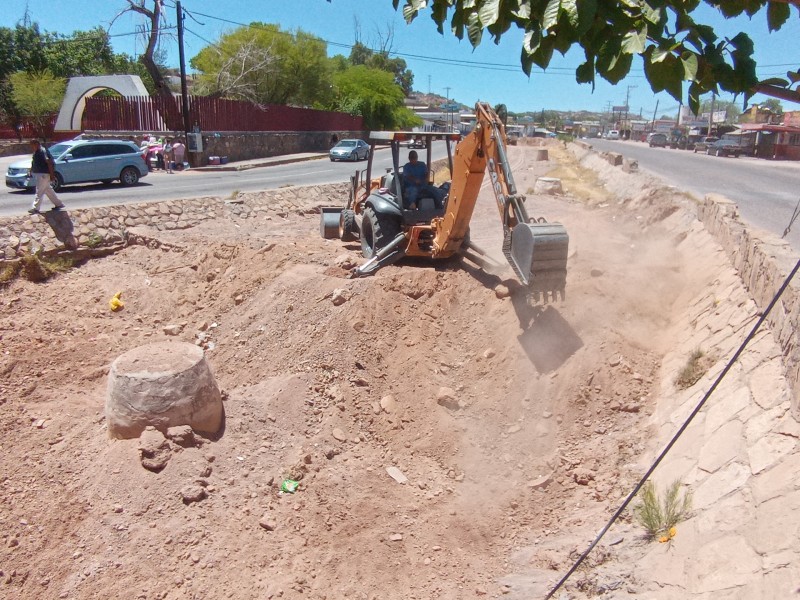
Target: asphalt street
(766,191)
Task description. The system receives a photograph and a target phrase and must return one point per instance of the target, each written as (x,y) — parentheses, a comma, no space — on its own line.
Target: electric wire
(678,434)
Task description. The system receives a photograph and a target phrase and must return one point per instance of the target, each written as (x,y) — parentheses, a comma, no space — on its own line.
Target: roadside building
(773,141)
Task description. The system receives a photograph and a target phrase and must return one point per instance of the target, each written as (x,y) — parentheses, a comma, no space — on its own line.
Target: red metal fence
(28,130)
(210,114)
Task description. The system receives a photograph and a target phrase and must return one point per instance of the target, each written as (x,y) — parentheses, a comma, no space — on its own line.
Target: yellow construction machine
(375,211)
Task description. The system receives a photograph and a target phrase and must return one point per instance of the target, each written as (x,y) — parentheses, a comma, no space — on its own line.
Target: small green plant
(93,240)
(696,366)
(9,272)
(659,516)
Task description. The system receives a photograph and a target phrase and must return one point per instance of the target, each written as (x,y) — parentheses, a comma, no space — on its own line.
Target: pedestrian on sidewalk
(178,151)
(169,155)
(43,172)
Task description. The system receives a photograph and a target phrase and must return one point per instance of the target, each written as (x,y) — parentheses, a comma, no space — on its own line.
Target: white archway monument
(79,88)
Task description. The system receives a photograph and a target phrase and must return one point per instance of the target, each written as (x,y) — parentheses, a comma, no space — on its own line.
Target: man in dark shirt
(43,173)
(415,182)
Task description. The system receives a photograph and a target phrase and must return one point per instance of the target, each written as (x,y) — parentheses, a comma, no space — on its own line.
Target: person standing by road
(169,156)
(178,150)
(43,173)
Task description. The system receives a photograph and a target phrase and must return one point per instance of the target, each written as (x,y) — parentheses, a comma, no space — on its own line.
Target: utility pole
(627,106)
(184,89)
(429,85)
(655,112)
(711,114)
(447,91)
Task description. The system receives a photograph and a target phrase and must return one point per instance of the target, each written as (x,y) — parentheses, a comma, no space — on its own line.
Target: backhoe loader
(375,212)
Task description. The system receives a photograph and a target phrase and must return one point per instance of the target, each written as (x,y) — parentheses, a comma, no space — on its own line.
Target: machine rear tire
(377,231)
(347,226)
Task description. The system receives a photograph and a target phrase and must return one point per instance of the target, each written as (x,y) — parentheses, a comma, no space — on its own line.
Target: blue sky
(489,73)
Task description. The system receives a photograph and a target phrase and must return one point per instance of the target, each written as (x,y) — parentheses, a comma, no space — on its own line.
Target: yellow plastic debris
(673,531)
(115,303)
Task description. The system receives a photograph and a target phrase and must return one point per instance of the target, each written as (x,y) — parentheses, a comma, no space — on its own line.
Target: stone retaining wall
(26,234)
(763,262)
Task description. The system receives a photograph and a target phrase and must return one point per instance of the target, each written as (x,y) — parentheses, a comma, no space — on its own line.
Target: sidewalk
(244,165)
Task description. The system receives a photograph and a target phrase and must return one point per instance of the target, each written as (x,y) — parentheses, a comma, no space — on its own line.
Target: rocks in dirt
(541,482)
(447,397)
(182,435)
(193,492)
(596,272)
(172,329)
(548,185)
(396,537)
(489,353)
(339,296)
(615,361)
(163,384)
(345,261)
(514,428)
(389,404)
(397,475)
(339,435)
(582,476)
(267,522)
(154,450)
(502,291)
(238,299)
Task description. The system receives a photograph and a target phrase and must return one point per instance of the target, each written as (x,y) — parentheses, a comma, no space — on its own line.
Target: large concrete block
(163,385)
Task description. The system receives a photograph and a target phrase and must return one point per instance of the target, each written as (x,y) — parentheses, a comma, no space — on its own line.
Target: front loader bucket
(538,254)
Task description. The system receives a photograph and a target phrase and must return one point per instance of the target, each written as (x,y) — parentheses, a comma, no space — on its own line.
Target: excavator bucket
(538,254)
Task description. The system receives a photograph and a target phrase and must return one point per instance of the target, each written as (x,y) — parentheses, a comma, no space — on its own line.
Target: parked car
(613,134)
(82,161)
(702,144)
(350,150)
(416,143)
(657,140)
(725,147)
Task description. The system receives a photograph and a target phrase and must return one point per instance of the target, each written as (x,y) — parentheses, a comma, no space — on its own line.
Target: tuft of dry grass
(696,366)
(34,268)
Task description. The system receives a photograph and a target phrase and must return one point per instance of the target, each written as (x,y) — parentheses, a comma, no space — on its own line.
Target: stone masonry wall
(763,262)
(26,234)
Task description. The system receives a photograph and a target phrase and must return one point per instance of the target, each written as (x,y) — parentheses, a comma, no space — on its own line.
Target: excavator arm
(536,250)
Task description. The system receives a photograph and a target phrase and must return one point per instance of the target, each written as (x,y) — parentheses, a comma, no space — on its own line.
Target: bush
(659,516)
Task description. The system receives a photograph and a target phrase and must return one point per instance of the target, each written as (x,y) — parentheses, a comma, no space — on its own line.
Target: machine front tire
(347,226)
(377,231)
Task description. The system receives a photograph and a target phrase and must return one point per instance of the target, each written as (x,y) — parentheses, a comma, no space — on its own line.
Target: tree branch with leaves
(675,48)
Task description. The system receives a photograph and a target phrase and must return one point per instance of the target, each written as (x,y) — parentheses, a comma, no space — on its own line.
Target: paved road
(766,191)
(193,183)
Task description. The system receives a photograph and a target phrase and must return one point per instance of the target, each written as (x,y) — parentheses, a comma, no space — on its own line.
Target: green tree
(82,53)
(675,49)
(264,64)
(361,55)
(774,105)
(373,94)
(37,96)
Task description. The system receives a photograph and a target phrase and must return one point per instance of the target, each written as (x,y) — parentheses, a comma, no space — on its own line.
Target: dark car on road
(657,140)
(350,150)
(725,147)
(702,144)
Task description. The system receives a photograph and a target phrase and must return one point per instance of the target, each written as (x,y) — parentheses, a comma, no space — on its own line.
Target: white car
(612,135)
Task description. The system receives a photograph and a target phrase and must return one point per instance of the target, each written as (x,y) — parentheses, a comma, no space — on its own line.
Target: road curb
(247,167)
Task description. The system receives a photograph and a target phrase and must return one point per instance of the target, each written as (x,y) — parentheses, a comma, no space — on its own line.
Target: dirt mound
(514,424)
